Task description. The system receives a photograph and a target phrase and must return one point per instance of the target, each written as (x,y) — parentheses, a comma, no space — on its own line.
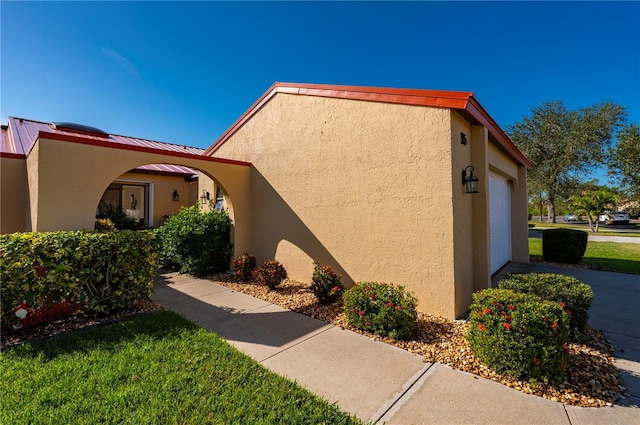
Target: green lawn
(155,369)
(610,256)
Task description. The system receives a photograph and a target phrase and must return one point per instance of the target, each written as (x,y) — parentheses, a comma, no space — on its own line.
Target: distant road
(632,227)
(620,239)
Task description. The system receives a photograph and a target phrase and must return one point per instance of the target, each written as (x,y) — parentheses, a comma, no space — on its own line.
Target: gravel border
(592,379)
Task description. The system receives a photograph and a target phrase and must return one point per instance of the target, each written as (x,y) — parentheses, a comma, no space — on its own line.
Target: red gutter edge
(13,155)
(257,105)
(106,144)
(434,98)
(479,113)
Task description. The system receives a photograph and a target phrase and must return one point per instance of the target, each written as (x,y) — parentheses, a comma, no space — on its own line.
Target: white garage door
(500,221)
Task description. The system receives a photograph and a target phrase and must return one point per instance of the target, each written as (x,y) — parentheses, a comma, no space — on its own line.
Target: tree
(592,203)
(563,145)
(624,159)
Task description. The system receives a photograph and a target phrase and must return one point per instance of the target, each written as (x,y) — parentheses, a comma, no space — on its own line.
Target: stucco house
(416,187)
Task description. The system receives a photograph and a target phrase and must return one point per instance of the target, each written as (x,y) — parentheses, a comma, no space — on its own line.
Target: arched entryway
(67,181)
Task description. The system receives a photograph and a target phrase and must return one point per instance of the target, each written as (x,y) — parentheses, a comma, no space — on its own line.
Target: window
(219,205)
(129,198)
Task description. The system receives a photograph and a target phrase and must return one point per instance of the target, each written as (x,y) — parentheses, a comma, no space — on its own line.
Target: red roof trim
(435,98)
(12,155)
(432,98)
(106,144)
(480,114)
(243,119)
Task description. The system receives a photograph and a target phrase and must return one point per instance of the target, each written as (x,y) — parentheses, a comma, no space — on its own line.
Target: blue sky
(184,72)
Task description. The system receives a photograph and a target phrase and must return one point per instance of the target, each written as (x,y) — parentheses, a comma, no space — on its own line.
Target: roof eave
(480,114)
(108,144)
(460,101)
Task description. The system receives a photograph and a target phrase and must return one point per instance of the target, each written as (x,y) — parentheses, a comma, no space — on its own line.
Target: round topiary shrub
(326,285)
(519,334)
(271,273)
(573,295)
(381,308)
(564,245)
(244,266)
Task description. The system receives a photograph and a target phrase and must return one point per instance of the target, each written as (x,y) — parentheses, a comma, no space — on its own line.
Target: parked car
(620,217)
(570,217)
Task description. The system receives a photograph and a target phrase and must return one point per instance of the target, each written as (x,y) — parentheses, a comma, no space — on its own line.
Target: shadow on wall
(274,221)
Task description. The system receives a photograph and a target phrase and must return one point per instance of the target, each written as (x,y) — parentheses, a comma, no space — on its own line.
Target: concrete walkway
(384,384)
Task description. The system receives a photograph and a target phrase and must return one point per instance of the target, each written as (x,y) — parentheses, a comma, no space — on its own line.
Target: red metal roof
(21,134)
(462,102)
(168,168)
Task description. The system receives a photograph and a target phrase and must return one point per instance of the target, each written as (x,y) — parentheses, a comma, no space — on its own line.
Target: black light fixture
(470,182)
(176,195)
(205,197)
(463,138)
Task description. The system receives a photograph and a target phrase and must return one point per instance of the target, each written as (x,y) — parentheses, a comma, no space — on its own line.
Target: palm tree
(591,204)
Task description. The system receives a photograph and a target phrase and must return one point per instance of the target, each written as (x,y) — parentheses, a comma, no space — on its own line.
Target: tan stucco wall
(463,204)
(208,184)
(14,203)
(480,210)
(362,186)
(519,223)
(163,187)
(67,180)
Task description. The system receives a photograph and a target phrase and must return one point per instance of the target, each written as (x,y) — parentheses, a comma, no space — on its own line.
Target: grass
(155,369)
(610,256)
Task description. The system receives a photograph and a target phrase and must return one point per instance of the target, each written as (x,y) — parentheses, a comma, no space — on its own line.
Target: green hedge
(107,270)
(575,296)
(197,242)
(519,334)
(564,245)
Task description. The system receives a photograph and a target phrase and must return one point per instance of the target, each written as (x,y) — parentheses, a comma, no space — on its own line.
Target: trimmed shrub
(564,245)
(381,308)
(574,296)
(197,242)
(103,271)
(271,274)
(244,265)
(326,285)
(519,334)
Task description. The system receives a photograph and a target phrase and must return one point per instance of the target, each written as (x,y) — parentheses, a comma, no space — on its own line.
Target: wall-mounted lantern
(205,197)
(463,139)
(176,195)
(470,181)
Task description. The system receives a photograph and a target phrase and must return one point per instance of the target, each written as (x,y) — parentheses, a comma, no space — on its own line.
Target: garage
(500,221)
